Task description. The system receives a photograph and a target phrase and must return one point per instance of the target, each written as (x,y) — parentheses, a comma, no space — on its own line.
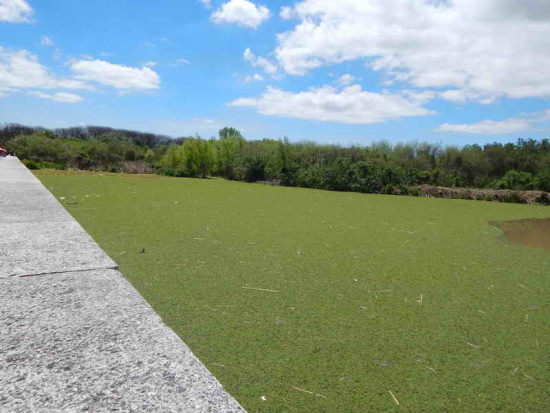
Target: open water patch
(530,232)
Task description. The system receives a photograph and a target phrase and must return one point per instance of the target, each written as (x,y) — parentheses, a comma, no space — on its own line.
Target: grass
(352,303)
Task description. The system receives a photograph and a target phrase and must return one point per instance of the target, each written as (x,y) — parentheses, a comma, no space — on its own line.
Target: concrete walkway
(74,334)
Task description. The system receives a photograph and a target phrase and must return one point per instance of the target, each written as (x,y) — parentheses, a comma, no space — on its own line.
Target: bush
(542,180)
(515,180)
(543,199)
(167,171)
(31,164)
(513,198)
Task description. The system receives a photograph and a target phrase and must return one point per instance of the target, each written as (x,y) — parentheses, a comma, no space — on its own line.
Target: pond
(530,232)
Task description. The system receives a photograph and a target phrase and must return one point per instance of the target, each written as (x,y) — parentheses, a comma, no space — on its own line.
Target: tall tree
(227,132)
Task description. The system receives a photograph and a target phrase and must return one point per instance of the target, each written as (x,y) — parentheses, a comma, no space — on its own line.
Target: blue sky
(352,71)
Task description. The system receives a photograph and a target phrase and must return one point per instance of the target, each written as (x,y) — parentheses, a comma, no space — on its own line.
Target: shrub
(167,171)
(513,198)
(31,164)
(543,199)
(542,180)
(515,180)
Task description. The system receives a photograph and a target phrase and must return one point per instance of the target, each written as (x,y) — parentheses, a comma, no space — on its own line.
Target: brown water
(530,232)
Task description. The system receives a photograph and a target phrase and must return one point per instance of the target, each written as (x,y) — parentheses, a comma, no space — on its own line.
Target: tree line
(377,168)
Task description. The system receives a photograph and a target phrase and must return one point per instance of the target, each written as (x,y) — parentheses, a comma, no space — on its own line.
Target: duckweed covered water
(346,296)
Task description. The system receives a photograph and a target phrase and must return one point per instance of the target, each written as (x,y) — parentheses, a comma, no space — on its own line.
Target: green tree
(198,157)
(228,151)
(227,132)
(173,157)
(515,180)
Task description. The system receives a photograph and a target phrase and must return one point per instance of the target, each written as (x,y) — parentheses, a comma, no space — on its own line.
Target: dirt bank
(494,195)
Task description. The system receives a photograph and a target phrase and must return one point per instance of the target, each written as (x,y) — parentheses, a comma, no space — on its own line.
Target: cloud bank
(241,12)
(15,11)
(351,105)
(20,70)
(116,76)
(488,48)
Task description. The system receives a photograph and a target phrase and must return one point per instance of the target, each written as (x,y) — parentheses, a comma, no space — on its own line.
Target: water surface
(530,232)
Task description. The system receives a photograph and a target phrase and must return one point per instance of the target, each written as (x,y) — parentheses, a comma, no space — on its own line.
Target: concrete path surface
(74,334)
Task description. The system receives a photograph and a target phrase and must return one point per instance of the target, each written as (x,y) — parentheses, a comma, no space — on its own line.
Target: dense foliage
(378,168)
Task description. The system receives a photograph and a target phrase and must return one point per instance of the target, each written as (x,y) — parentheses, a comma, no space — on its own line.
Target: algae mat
(304,300)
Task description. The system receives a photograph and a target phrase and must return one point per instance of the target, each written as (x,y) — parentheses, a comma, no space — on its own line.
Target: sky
(347,72)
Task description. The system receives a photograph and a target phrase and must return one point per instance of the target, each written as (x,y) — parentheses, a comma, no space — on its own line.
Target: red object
(3,152)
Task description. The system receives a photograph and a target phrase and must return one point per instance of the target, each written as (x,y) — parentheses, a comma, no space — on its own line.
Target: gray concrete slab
(46,247)
(89,342)
(11,170)
(75,335)
(23,197)
(29,202)
(38,235)
(11,214)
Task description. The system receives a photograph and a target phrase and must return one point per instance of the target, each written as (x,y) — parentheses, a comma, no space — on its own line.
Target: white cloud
(257,61)
(503,127)
(241,12)
(544,116)
(150,63)
(15,11)
(63,97)
(491,48)
(286,13)
(116,76)
(351,105)
(206,3)
(467,95)
(46,41)
(182,61)
(203,123)
(20,69)
(256,77)
(346,79)
(488,127)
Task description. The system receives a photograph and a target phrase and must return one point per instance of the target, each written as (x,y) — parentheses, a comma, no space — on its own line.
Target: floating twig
(421,299)
(307,391)
(260,289)
(394,398)
(431,369)
(473,345)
